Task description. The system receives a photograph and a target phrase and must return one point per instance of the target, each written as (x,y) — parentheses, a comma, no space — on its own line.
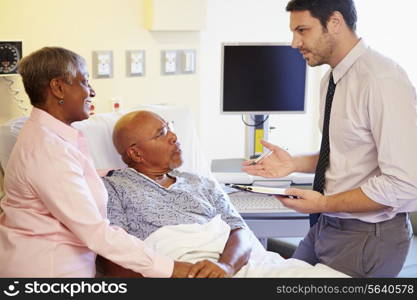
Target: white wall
(85,26)
(389,27)
(249,21)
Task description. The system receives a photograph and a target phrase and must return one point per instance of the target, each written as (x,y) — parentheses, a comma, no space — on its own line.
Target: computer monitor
(259,79)
(262,79)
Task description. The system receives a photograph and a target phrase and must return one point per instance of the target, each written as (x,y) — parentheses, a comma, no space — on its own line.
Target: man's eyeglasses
(168,126)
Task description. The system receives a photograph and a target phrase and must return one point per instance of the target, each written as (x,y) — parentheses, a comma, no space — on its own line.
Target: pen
(261,157)
(240,187)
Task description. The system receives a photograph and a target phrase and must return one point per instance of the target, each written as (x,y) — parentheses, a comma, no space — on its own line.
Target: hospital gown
(141,206)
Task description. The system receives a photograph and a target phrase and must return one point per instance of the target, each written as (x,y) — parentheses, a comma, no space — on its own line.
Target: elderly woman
(54,220)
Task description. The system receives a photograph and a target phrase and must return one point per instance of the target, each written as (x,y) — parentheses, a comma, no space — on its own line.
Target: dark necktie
(323,163)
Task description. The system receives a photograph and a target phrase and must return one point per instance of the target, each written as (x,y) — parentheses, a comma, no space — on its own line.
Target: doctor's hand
(209,269)
(181,269)
(280,163)
(308,201)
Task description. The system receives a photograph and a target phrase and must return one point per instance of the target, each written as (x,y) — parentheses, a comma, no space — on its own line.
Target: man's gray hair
(40,67)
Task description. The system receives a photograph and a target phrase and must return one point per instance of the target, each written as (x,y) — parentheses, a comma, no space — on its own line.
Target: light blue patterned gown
(140,205)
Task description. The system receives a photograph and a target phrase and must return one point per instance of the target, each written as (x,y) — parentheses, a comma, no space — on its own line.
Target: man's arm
(237,250)
(352,201)
(235,255)
(306,163)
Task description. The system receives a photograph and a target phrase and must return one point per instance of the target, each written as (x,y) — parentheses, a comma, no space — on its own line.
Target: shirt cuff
(163,266)
(379,192)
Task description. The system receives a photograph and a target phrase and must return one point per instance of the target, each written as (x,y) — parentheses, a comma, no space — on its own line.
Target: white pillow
(98,130)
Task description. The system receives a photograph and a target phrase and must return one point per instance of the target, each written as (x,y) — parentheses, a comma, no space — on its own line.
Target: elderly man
(151,194)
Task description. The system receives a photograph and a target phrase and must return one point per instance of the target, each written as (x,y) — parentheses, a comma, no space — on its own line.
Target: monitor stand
(253,147)
(256,131)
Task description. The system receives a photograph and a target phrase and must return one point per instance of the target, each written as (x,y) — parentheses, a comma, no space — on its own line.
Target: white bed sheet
(195,242)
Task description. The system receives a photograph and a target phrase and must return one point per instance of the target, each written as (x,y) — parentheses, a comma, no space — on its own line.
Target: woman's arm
(109,269)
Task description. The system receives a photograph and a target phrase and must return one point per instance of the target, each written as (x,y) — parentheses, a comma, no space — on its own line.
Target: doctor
(366,171)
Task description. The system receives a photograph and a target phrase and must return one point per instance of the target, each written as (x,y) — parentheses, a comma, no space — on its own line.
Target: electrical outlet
(188,61)
(135,62)
(102,64)
(169,62)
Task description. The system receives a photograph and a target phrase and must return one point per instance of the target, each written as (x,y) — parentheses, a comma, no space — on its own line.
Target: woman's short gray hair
(40,67)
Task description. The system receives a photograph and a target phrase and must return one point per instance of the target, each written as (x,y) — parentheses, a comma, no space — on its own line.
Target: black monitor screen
(263,79)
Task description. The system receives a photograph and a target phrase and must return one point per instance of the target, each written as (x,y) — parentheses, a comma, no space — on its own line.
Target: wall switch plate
(135,62)
(188,61)
(102,64)
(169,62)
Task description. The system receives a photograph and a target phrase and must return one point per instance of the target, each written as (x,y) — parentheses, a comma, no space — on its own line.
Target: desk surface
(268,225)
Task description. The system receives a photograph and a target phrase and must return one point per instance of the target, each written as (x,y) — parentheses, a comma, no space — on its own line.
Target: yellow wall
(88,25)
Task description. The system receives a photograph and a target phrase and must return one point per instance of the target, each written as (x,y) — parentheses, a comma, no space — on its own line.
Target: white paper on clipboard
(262,190)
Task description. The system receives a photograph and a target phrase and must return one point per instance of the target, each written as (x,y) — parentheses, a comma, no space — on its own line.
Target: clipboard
(262,190)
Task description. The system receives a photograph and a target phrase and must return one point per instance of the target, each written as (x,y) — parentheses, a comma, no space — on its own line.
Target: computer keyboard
(246,202)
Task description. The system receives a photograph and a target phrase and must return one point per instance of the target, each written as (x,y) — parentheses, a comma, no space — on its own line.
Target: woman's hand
(209,269)
(279,164)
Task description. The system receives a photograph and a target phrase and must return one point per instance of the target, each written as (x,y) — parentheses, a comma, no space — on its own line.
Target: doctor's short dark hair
(323,9)
(40,67)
